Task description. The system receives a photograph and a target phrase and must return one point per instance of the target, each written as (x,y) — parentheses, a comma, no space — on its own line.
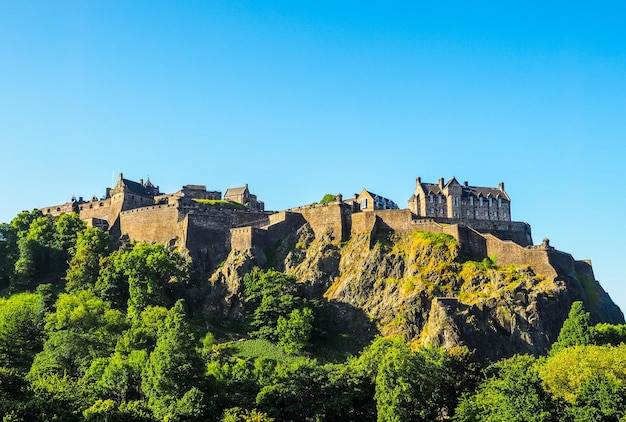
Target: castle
(207,227)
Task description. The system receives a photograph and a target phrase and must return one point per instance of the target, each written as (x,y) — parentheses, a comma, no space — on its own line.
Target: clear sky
(299,99)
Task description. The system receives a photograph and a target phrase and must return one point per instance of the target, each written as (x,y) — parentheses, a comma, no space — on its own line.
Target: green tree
(21,223)
(294,333)
(21,329)
(565,373)
(82,328)
(150,268)
(92,245)
(9,253)
(576,329)
(600,398)
(328,198)
(38,254)
(512,392)
(302,389)
(613,334)
(67,229)
(269,295)
(174,368)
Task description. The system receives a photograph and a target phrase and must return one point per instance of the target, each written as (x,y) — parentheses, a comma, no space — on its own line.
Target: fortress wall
(400,221)
(56,210)
(282,228)
(474,244)
(363,222)
(563,262)
(158,223)
(333,217)
(584,269)
(96,209)
(518,232)
(246,237)
(208,238)
(508,252)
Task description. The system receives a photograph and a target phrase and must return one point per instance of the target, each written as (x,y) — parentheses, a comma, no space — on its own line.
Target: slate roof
(380,199)
(236,191)
(136,188)
(435,189)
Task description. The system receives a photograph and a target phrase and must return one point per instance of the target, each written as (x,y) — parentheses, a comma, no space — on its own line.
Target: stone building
(243,196)
(369,201)
(460,202)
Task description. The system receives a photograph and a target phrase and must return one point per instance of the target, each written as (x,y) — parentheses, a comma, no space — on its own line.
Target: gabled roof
(431,188)
(236,191)
(484,192)
(379,197)
(136,187)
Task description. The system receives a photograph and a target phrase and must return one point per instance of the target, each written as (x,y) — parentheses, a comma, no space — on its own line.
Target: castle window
(455,200)
(432,210)
(471,200)
(480,201)
(468,212)
(486,214)
(364,203)
(499,202)
(430,198)
(439,199)
(440,210)
(490,201)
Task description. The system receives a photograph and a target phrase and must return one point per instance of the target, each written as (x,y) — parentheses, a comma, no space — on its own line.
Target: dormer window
(364,203)
(490,201)
(480,201)
(471,199)
(499,202)
(439,199)
(430,198)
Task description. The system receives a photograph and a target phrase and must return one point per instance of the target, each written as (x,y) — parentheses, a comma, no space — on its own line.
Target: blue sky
(299,99)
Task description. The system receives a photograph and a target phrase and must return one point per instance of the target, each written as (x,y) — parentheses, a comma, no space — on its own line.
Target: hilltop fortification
(207,227)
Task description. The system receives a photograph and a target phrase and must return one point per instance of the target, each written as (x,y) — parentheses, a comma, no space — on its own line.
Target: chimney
(465,183)
(418,180)
(141,181)
(441,182)
(501,186)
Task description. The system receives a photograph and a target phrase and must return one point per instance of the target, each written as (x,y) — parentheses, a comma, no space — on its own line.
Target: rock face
(419,285)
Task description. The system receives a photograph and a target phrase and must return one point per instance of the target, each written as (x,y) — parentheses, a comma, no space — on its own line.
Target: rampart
(539,258)
(334,218)
(157,223)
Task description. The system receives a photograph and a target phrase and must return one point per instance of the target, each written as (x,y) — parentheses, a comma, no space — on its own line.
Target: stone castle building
(196,221)
(460,202)
(243,196)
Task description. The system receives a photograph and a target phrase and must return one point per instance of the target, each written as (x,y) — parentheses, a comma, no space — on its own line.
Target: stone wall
(508,252)
(158,223)
(334,217)
(101,209)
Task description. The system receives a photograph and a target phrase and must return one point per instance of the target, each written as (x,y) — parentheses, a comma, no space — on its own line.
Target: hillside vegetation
(382,327)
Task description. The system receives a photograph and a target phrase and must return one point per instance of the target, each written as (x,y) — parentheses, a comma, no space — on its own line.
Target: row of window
(469,213)
(455,200)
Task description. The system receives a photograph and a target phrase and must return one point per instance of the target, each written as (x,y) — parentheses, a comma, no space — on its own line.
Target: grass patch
(259,348)
(221,203)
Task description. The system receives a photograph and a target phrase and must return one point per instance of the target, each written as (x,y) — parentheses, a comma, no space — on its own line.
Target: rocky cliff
(421,286)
